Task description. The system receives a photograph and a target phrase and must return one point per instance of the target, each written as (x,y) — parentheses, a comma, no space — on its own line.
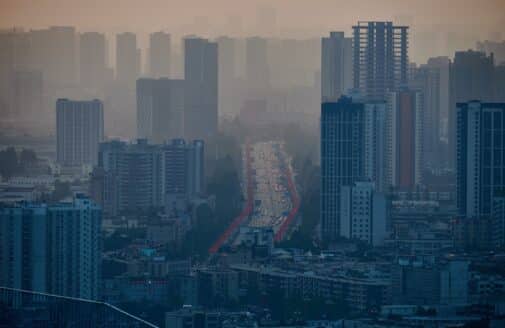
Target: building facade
(160,109)
(363,213)
(79,130)
(52,248)
(380,58)
(201,91)
(142,176)
(336,66)
(159,55)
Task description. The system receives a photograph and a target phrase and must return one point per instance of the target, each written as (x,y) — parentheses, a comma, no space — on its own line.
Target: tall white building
(79,130)
(363,213)
(336,66)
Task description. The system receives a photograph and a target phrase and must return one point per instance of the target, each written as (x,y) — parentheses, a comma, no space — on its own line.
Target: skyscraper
(227,76)
(342,158)
(160,109)
(127,58)
(52,248)
(79,130)
(471,78)
(159,55)
(380,59)
(480,157)
(92,59)
(256,68)
(426,80)
(405,134)
(201,91)
(336,66)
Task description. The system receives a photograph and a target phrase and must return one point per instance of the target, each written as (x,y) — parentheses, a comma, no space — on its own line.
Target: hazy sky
(463,20)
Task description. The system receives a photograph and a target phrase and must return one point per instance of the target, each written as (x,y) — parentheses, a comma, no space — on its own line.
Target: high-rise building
(52,248)
(201,91)
(342,158)
(256,68)
(127,58)
(92,59)
(471,78)
(160,109)
(426,80)
(380,59)
(227,62)
(336,66)
(26,96)
(56,54)
(480,157)
(363,213)
(159,55)
(79,130)
(442,63)
(142,176)
(405,134)
(376,145)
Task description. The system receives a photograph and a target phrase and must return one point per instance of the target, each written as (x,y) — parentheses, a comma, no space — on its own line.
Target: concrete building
(380,59)
(419,282)
(427,80)
(201,91)
(229,93)
(51,248)
(79,130)
(159,55)
(336,66)
(257,71)
(26,94)
(363,213)
(127,58)
(92,59)
(217,286)
(405,133)
(471,78)
(160,109)
(142,176)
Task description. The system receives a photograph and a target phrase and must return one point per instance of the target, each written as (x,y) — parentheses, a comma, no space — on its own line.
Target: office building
(336,66)
(127,58)
(159,55)
(471,78)
(480,157)
(363,213)
(140,176)
(160,109)
(201,91)
(405,134)
(51,248)
(380,58)
(342,158)
(92,59)
(79,130)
